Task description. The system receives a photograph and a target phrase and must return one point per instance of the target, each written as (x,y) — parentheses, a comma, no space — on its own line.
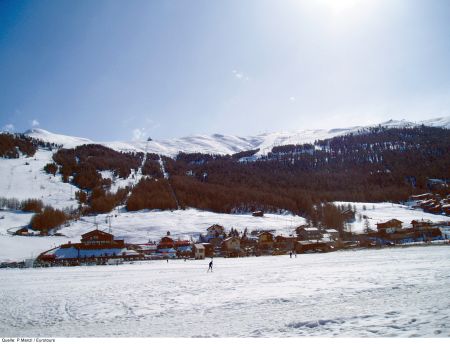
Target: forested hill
(373,165)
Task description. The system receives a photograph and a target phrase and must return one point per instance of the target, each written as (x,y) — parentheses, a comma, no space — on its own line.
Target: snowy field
(399,292)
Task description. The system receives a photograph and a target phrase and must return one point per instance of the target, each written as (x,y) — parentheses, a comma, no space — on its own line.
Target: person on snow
(210,266)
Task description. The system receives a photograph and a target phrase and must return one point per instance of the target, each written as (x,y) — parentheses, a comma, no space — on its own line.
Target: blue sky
(118,70)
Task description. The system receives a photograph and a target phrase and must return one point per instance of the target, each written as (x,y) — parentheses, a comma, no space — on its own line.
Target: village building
(209,249)
(258,213)
(300,229)
(199,251)
(145,249)
(183,248)
(426,230)
(265,241)
(333,234)
(308,233)
(96,246)
(389,227)
(249,244)
(166,243)
(305,246)
(284,244)
(231,247)
(215,231)
(421,225)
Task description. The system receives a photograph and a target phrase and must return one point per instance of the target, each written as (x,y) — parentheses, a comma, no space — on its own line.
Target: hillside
(383,163)
(226,144)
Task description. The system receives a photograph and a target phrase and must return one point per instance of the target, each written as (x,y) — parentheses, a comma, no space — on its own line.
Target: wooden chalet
(284,244)
(258,213)
(231,247)
(310,246)
(308,233)
(166,243)
(421,225)
(265,241)
(209,249)
(99,238)
(248,244)
(389,227)
(215,230)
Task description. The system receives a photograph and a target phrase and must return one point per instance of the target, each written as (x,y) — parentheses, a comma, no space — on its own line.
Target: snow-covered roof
(331,231)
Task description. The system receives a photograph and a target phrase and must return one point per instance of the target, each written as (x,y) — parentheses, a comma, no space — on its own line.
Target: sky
(128,70)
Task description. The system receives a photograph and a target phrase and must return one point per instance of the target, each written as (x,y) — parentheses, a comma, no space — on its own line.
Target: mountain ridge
(226,144)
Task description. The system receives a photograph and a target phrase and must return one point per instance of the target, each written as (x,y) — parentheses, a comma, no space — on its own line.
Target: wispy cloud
(35,123)
(8,128)
(292,99)
(239,75)
(139,134)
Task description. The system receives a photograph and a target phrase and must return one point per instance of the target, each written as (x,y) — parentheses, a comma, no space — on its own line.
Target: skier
(290,254)
(210,266)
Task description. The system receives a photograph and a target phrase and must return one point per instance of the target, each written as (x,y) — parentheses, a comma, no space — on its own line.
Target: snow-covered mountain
(25,178)
(226,144)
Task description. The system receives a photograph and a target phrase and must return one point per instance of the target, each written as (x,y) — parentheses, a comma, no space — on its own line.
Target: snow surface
(382,212)
(399,292)
(226,144)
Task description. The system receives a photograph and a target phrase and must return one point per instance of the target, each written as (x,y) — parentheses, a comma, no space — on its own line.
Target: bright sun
(341,6)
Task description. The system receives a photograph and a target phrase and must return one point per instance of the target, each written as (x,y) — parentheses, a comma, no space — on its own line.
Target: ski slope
(25,178)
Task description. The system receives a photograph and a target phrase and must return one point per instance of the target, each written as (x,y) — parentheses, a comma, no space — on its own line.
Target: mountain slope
(225,144)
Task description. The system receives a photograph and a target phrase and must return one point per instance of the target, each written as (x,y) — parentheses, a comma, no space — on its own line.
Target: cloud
(292,99)
(8,128)
(139,134)
(239,75)
(35,123)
